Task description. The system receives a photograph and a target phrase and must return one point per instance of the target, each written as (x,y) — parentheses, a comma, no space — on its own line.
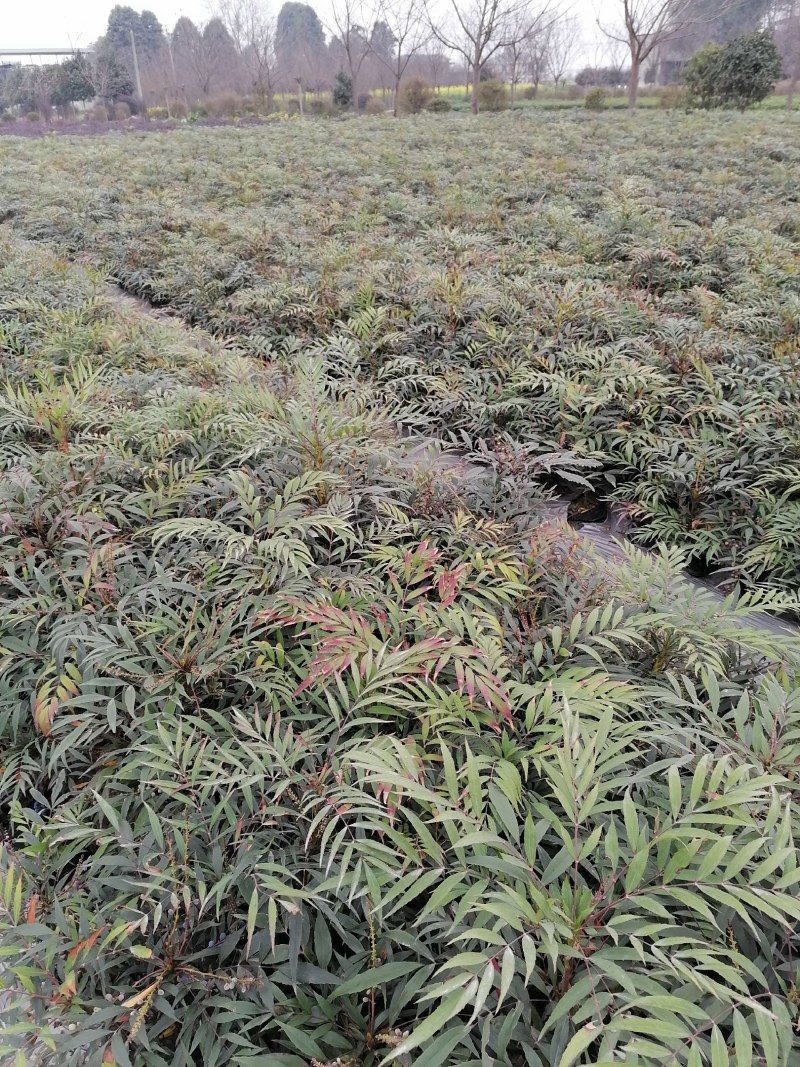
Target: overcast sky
(76,23)
(58,23)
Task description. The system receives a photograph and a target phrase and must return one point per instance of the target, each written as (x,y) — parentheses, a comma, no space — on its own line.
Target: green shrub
(343,90)
(492,95)
(415,95)
(375,106)
(439,103)
(121,112)
(595,99)
(700,76)
(672,97)
(319,106)
(737,74)
(97,113)
(7,116)
(33,116)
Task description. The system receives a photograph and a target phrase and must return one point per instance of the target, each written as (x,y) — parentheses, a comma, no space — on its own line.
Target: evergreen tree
(147,31)
(738,74)
(343,90)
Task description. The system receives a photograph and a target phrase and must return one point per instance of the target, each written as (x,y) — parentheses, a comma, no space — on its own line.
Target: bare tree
(406,22)
(202,54)
(784,21)
(40,81)
(437,63)
(563,42)
(533,61)
(793,49)
(528,25)
(649,24)
(352,38)
(252,30)
(477,30)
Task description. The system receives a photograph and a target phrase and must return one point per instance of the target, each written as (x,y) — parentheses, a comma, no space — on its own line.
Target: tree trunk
(396,108)
(633,83)
(793,78)
(476,77)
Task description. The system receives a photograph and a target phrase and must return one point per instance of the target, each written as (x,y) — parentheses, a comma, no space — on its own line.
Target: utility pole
(139,92)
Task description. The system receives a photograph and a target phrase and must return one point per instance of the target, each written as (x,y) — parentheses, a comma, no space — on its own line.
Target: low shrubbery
(306,759)
(595,99)
(415,95)
(671,306)
(438,103)
(309,755)
(673,97)
(319,106)
(224,105)
(493,95)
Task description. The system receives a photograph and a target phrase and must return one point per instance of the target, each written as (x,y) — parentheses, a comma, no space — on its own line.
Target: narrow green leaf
(743,1040)
(252,913)
(507,968)
(719,1051)
(431,1025)
(375,976)
(579,1042)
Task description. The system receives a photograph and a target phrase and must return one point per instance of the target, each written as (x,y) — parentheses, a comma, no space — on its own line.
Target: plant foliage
(315,754)
(737,74)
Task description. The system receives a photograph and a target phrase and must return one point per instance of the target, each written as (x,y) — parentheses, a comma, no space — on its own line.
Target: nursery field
(318,749)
